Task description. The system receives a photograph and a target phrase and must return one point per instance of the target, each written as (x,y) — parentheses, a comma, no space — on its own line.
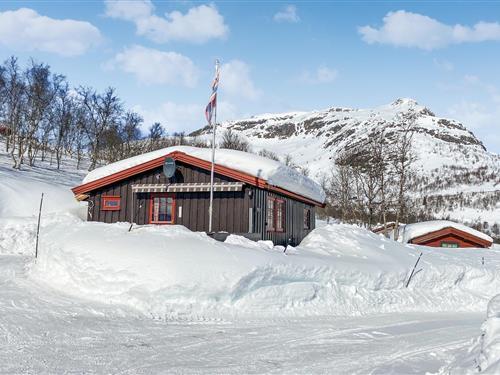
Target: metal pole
(132,213)
(38,227)
(210,209)
(413,270)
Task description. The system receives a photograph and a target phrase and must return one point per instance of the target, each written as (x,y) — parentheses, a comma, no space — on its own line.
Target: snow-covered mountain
(453,167)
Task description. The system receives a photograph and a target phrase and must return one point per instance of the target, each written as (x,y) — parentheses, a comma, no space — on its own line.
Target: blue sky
(276,56)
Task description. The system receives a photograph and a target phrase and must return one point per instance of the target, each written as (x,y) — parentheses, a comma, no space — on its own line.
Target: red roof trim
(450,230)
(188,159)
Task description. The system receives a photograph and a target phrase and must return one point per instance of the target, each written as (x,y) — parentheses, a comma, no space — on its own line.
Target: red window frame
(106,199)
(280,215)
(151,203)
(276,214)
(270,214)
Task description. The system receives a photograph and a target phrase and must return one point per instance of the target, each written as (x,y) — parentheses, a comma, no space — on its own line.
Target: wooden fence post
(38,226)
(413,271)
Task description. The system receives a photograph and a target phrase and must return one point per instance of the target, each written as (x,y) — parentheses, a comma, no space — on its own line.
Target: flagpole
(210,209)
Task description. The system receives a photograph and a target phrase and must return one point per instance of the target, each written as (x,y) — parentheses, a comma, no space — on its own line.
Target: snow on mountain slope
(314,138)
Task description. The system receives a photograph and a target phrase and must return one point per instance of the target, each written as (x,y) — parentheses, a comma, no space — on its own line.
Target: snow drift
(489,358)
(484,354)
(171,272)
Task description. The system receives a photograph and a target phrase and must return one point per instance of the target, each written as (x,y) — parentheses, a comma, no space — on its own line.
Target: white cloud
(407,29)
(173,116)
(473,115)
(26,30)
(129,10)
(151,66)
(322,74)
(489,89)
(444,65)
(235,80)
(199,24)
(288,14)
(481,111)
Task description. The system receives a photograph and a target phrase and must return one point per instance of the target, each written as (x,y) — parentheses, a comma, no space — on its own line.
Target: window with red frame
(270,214)
(275,215)
(307,218)
(110,203)
(162,209)
(280,215)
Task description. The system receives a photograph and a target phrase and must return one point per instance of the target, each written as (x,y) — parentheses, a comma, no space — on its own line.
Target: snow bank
(170,272)
(484,354)
(411,231)
(489,359)
(272,171)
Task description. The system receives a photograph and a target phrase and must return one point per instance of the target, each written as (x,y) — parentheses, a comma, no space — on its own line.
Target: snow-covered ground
(100,299)
(483,356)
(170,272)
(43,331)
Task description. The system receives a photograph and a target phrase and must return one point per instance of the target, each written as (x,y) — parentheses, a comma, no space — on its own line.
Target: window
(453,245)
(307,218)
(162,209)
(110,203)
(270,214)
(280,215)
(275,215)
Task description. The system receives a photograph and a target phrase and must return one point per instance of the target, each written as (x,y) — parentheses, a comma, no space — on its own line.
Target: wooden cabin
(255,197)
(385,230)
(447,234)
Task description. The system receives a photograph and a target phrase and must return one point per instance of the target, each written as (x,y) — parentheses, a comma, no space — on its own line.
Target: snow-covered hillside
(454,171)
(20,190)
(314,138)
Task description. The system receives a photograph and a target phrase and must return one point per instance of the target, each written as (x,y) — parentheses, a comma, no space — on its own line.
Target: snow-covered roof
(412,231)
(274,172)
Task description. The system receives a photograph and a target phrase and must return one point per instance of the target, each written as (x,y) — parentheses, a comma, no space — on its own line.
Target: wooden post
(38,226)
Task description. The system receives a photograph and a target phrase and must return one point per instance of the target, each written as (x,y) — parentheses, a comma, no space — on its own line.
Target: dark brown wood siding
(240,212)
(294,231)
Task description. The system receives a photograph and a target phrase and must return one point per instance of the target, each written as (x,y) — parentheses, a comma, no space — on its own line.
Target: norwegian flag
(212,103)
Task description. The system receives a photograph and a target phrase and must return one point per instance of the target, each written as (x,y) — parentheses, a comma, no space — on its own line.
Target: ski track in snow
(43,331)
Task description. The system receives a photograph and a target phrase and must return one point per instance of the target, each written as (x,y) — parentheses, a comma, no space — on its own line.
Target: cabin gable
(450,237)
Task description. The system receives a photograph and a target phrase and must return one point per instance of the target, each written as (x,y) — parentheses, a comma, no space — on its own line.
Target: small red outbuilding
(444,233)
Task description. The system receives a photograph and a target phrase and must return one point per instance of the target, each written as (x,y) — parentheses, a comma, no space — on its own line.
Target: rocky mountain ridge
(450,159)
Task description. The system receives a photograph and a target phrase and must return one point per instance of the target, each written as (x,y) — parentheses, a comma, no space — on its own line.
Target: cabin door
(162,208)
